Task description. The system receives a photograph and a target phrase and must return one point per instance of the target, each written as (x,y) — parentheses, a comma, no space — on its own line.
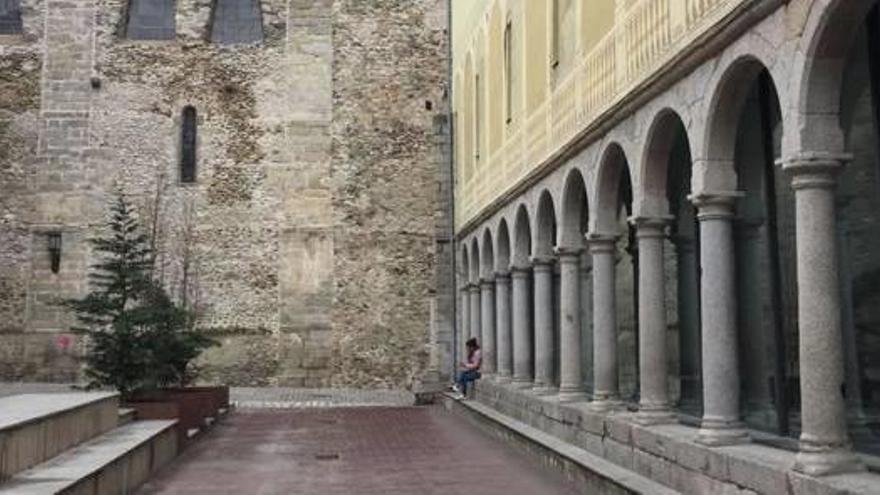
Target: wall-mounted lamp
(55,250)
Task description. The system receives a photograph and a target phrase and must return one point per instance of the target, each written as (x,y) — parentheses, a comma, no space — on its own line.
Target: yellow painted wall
(605,49)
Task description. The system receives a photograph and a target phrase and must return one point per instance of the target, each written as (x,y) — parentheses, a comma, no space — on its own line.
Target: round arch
(575,214)
(475,261)
(613,172)
(487,267)
(829,34)
(502,244)
(666,129)
(545,226)
(522,237)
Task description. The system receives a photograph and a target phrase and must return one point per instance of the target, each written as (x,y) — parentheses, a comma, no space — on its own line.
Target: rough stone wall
(309,233)
(388,77)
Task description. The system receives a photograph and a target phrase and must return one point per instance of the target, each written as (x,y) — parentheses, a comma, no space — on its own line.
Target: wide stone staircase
(78,443)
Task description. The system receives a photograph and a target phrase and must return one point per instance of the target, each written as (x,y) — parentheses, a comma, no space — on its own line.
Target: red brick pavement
(359,451)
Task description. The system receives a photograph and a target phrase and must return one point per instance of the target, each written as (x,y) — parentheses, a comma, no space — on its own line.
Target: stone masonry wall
(309,233)
(388,77)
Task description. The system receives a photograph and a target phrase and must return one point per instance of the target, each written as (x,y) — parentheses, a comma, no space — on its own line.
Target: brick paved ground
(352,451)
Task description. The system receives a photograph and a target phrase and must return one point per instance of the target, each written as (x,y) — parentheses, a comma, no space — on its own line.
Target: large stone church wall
(309,231)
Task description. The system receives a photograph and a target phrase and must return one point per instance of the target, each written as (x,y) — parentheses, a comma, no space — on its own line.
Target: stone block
(619,427)
(652,441)
(618,453)
(750,467)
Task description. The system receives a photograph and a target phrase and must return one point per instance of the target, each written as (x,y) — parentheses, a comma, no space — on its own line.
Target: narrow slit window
(477,123)
(151,20)
(10,17)
(508,71)
(188,146)
(554,34)
(237,22)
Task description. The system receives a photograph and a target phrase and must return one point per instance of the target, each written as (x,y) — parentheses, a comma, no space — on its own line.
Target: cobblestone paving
(352,451)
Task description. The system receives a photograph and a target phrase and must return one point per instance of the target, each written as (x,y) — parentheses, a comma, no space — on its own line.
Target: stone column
(474,327)
(487,342)
(522,327)
(605,388)
(721,423)
(543,270)
(824,443)
(654,405)
(571,386)
(587,320)
(465,321)
(503,341)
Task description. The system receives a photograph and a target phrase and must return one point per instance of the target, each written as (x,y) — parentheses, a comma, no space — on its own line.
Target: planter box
(189,406)
(218,395)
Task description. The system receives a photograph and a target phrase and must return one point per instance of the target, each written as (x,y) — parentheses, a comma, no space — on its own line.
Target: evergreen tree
(138,337)
(111,315)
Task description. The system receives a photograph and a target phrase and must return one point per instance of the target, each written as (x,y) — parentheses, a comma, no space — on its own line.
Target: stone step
(126,415)
(116,462)
(37,427)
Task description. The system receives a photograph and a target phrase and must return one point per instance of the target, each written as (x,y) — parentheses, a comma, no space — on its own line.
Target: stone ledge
(667,454)
(623,479)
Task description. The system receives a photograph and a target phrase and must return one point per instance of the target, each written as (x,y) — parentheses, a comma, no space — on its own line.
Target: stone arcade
(685,202)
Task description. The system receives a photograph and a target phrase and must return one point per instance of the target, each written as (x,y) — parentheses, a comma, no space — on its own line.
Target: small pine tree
(112,315)
(138,337)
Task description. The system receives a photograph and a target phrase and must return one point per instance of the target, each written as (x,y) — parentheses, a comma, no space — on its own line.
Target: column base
(719,432)
(503,378)
(540,389)
(605,404)
(572,395)
(823,460)
(522,383)
(655,415)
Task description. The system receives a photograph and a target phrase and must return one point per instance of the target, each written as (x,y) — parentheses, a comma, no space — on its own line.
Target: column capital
(814,170)
(542,261)
(650,226)
(487,282)
(474,287)
(568,252)
(519,270)
(715,205)
(600,242)
(502,277)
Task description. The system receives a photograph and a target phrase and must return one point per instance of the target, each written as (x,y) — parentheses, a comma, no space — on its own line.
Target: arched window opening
(858,236)
(766,279)
(685,238)
(151,20)
(237,22)
(188,145)
(10,17)
(627,276)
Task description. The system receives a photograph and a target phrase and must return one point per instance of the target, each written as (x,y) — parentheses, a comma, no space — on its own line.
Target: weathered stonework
(309,233)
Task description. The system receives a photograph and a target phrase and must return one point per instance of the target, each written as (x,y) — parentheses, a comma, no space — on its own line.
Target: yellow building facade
(532,78)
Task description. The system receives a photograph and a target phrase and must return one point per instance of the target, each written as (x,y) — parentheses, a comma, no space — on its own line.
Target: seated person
(471,368)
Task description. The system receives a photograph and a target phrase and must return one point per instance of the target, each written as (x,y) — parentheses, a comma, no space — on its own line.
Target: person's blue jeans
(466,377)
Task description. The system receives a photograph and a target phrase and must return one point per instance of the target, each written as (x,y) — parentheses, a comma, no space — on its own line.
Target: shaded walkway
(352,451)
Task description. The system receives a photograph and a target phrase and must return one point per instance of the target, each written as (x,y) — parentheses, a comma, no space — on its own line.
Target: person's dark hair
(472,345)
